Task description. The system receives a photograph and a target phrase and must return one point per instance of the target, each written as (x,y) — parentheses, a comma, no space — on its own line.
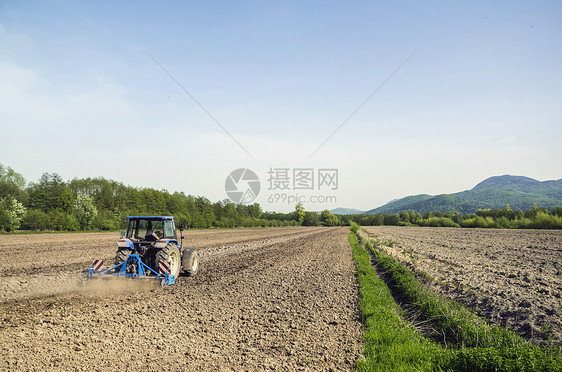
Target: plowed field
(263,299)
(511,277)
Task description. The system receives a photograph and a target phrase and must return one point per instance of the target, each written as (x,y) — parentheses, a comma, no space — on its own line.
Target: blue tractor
(150,249)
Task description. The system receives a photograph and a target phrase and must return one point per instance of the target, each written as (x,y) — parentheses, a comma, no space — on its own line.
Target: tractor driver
(150,234)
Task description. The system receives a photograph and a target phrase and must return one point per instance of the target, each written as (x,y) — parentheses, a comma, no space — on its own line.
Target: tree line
(534,218)
(51,203)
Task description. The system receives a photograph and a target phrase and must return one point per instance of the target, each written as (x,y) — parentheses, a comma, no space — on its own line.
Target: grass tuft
(390,343)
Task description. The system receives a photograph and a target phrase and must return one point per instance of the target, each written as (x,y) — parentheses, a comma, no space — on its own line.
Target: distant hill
(519,192)
(346,211)
(494,192)
(400,204)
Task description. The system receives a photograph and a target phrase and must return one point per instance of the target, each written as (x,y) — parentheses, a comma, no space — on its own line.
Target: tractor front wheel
(170,254)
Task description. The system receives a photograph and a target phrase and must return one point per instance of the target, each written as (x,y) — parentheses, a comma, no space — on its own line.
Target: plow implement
(133,268)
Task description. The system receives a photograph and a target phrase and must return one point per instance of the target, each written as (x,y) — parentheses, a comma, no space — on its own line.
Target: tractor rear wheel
(190,261)
(170,254)
(122,255)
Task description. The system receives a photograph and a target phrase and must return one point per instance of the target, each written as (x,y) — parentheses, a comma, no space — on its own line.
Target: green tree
(100,189)
(299,213)
(532,213)
(242,211)
(391,219)
(333,220)
(405,217)
(329,219)
(311,219)
(155,201)
(255,210)
(62,221)
(50,193)
(205,217)
(105,220)
(35,219)
(85,211)
(12,184)
(11,213)
(378,220)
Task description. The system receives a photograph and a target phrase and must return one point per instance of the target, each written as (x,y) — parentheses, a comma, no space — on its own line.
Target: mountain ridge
(342,211)
(495,192)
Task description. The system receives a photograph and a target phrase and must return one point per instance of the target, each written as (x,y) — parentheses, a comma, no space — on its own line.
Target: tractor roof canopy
(142,227)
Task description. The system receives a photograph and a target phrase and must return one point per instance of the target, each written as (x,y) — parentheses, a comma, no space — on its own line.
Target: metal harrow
(133,268)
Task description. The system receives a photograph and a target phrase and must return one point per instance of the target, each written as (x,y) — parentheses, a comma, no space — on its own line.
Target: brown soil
(264,299)
(511,277)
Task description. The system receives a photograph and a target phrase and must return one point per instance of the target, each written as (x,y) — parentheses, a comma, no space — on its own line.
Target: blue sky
(481,95)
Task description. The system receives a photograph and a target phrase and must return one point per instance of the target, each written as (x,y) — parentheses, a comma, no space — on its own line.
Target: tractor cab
(147,229)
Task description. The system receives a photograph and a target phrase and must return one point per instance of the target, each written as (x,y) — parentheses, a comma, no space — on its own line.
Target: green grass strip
(473,344)
(390,344)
